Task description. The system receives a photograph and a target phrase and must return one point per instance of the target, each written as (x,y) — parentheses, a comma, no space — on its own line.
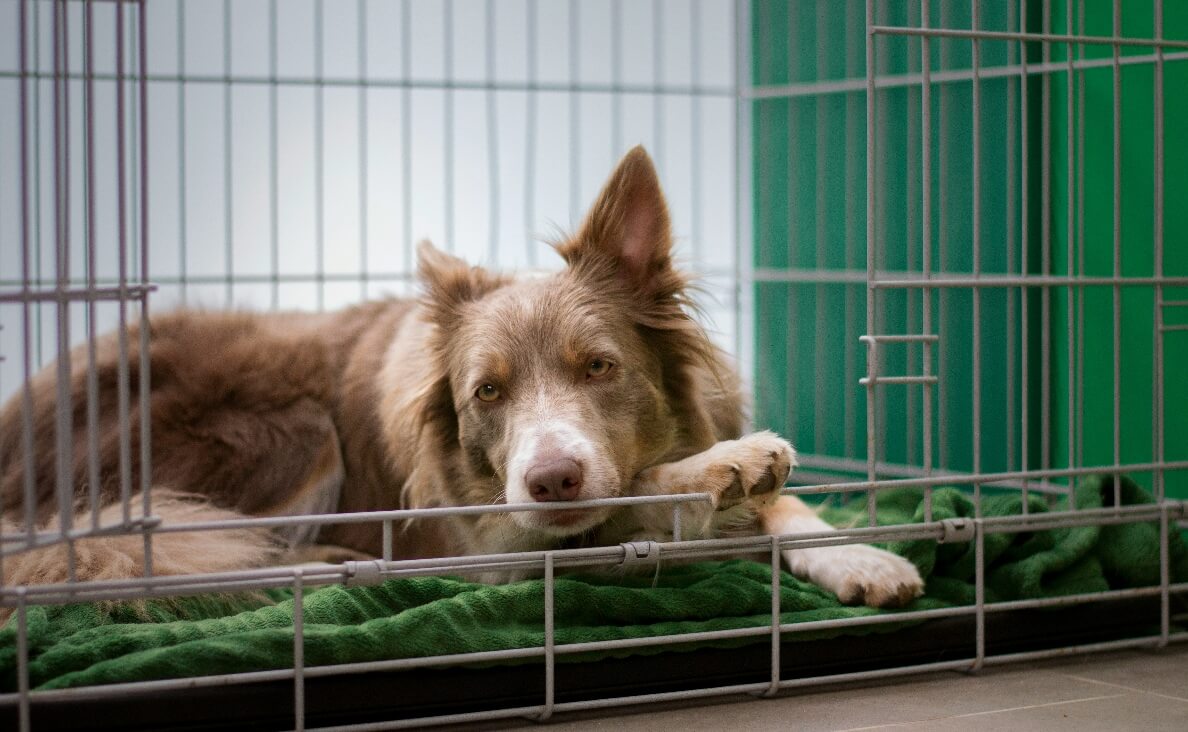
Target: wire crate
(918,225)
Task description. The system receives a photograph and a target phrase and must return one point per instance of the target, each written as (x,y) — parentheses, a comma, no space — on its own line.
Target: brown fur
(375,408)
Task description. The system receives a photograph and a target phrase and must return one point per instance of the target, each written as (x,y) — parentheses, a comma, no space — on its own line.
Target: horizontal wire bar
(849,465)
(900,338)
(1028,281)
(127,293)
(1174,303)
(876,380)
(895,81)
(300,277)
(894,279)
(699,90)
(989,35)
(936,480)
(1116,645)
(584,557)
(1173,328)
(98,692)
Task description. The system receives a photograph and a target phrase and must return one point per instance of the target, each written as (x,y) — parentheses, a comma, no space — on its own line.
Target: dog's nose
(559,479)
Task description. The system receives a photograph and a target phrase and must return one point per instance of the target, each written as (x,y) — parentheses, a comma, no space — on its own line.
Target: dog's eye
(598,367)
(487,393)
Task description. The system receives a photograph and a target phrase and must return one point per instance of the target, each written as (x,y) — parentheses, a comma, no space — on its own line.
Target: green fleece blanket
(81,645)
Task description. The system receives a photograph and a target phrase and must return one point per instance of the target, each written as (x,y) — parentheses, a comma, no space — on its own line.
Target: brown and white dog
(591,383)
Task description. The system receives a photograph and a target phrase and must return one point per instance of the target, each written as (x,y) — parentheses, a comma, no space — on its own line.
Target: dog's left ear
(627,229)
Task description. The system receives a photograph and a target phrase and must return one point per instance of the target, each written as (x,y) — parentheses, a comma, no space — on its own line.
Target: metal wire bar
(1044,37)
(590,646)
(593,556)
(1117,250)
(93,476)
(502,85)
(298,651)
(144,377)
(940,76)
(64,407)
(872,352)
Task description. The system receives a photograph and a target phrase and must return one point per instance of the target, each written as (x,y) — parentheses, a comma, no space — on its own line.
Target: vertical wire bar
(298,651)
(820,411)
(926,244)
(1024,263)
(493,204)
(1046,250)
(1069,268)
(616,51)
(549,640)
(976,194)
(406,134)
(37,148)
(1011,122)
(575,112)
(1081,243)
(774,688)
(180,41)
(27,442)
(448,110)
(145,380)
(943,405)
(872,348)
(93,476)
(742,161)
(695,130)
(530,135)
(853,141)
(1117,289)
(228,190)
(911,186)
(820,325)
(658,80)
(676,522)
(364,225)
(387,540)
(64,432)
(1164,568)
(320,155)
(123,385)
(23,626)
(979,596)
(1160,475)
(273,164)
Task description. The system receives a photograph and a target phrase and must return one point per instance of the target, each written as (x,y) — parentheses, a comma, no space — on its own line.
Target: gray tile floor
(1139,690)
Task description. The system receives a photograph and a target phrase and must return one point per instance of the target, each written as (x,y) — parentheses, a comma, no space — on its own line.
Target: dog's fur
(593,382)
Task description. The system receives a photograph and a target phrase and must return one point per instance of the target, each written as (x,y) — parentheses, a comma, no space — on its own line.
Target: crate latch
(955,530)
(640,553)
(364,574)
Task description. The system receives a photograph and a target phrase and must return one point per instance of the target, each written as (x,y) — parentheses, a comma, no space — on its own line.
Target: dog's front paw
(751,469)
(865,575)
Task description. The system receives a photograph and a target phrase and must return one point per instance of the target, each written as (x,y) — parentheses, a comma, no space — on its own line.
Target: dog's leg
(744,477)
(856,573)
(740,475)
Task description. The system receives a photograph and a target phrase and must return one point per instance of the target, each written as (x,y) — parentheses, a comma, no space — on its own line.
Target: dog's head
(563,388)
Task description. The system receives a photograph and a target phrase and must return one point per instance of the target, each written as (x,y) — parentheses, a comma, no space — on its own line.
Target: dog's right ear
(627,231)
(450,282)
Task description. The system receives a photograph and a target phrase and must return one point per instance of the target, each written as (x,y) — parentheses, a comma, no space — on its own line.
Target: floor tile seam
(889,725)
(1134,689)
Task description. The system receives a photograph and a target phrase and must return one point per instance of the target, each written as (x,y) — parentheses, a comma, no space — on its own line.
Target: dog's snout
(555,479)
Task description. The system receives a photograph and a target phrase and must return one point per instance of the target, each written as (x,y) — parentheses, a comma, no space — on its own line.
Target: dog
(593,382)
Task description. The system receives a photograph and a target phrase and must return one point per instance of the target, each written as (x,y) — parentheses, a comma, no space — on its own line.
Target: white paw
(861,574)
(752,470)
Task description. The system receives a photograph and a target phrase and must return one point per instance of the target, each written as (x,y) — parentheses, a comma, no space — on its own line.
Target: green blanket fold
(80,645)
